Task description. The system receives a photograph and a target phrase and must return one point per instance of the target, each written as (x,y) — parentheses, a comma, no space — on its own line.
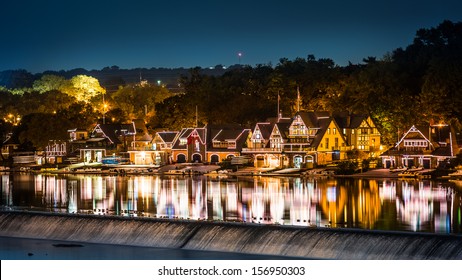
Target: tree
(83,88)
(138,102)
(50,83)
(40,128)
(441,94)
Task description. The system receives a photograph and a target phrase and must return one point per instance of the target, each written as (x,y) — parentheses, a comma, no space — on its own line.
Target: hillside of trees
(419,84)
(414,85)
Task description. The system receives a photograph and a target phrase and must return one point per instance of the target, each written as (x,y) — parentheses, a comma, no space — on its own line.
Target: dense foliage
(418,84)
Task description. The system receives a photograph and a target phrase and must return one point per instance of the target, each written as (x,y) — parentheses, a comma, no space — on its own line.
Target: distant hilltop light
(218,67)
(239,55)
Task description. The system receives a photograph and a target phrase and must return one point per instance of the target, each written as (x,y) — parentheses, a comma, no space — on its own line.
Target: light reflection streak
(373,204)
(418,206)
(7,193)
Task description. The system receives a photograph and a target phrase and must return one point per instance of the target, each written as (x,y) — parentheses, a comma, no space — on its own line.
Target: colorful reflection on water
(384,204)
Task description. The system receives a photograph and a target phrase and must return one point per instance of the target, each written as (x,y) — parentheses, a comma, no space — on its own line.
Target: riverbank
(190,169)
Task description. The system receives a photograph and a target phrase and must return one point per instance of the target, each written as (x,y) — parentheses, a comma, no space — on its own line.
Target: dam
(253,239)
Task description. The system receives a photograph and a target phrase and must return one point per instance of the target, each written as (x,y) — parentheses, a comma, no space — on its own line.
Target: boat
(407,174)
(399,169)
(114,160)
(456,175)
(411,172)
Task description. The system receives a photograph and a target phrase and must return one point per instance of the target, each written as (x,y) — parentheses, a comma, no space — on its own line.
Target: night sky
(90,34)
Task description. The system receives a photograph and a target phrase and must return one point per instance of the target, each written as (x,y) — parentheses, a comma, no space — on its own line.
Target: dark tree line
(418,84)
(415,85)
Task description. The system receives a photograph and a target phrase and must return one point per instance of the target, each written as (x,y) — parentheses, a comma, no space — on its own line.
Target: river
(375,204)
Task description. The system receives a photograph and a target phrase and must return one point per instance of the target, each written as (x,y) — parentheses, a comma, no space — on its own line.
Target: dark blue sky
(90,34)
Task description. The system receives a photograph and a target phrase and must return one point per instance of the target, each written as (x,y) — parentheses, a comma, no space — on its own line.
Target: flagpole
(278,105)
(298,99)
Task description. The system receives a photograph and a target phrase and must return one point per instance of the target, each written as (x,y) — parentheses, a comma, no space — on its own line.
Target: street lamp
(14,119)
(104,113)
(104,110)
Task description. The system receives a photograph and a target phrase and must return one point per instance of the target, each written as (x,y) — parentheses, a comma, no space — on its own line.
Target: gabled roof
(142,133)
(144,138)
(265,129)
(347,120)
(227,135)
(167,136)
(242,139)
(283,128)
(323,125)
(112,132)
(140,126)
(234,133)
(185,133)
(415,133)
(223,132)
(312,119)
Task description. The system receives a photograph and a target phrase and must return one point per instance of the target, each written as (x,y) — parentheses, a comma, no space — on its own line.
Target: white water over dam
(318,243)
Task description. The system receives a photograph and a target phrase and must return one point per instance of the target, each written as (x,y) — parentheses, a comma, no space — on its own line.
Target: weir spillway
(317,243)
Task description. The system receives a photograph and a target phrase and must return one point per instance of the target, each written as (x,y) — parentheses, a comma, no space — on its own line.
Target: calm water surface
(381,204)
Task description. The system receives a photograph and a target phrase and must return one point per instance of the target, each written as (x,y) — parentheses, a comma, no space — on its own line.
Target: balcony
(261,150)
(145,148)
